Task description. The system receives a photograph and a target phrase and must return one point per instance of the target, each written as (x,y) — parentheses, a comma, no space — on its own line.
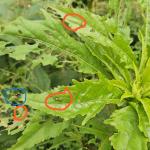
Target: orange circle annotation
(23,116)
(66,90)
(77,28)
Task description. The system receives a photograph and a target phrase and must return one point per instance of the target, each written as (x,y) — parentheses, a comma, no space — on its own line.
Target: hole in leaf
(50,10)
(9,45)
(20,32)
(74,4)
(40,45)
(2,28)
(90,126)
(59,16)
(29,41)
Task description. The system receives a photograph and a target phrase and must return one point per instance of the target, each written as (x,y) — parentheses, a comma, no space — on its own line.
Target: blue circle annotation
(6,96)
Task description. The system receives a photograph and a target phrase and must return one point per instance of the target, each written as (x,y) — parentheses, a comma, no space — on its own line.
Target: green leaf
(51,33)
(60,140)
(146,72)
(20,52)
(144,124)
(145,77)
(128,136)
(145,38)
(114,53)
(45,59)
(36,133)
(86,69)
(39,80)
(146,104)
(97,128)
(105,144)
(107,54)
(86,100)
